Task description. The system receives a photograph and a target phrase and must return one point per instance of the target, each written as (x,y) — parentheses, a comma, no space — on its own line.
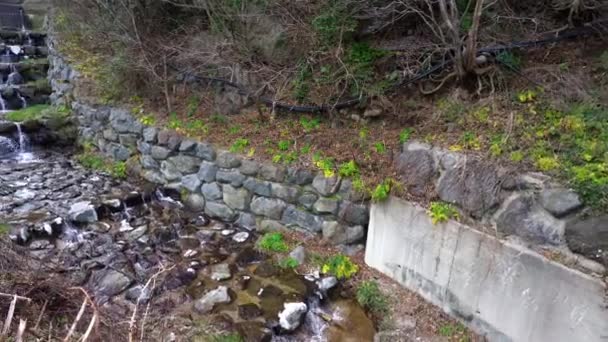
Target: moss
(29,113)
(4,228)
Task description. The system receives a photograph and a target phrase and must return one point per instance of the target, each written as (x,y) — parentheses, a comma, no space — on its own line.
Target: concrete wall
(500,289)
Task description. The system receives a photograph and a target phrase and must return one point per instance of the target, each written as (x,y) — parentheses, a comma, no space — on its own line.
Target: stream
(114,237)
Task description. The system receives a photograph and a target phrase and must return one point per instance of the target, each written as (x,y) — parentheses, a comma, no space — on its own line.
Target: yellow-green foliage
(92,160)
(348,169)
(340,266)
(4,228)
(40,111)
(288,263)
(273,242)
(441,212)
(371,298)
(382,190)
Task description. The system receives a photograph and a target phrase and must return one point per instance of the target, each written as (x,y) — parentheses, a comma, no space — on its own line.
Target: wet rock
(339,234)
(254,332)
(149,134)
(208,301)
(136,233)
(232,177)
(286,193)
(236,198)
(272,173)
(326,186)
(352,324)
(269,207)
(185,164)
(227,160)
(249,311)
(207,172)
(293,216)
(205,151)
(138,293)
(299,254)
(266,270)
(247,221)
(327,283)
(560,202)
(326,205)
(220,272)
(159,152)
(191,183)
(525,218)
(474,187)
(307,200)
(195,202)
(220,210)
(83,212)
(108,283)
(240,237)
(354,214)
(589,237)
(291,316)
(299,176)
(249,167)
(20,235)
(258,187)
(24,194)
(147,162)
(417,169)
(212,191)
(170,171)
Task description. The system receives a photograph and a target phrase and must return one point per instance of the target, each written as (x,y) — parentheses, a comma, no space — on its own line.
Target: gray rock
(354,214)
(185,164)
(236,198)
(299,254)
(169,171)
(187,146)
(249,167)
(210,299)
(191,183)
(144,147)
(138,293)
(560,202)
(292,315)
(307,200)
(271,226)
(136,233)
(150,134)
(212,191)
(589,237)
(232,177)
(227,160)
(299,176)
(174,142)
(118,152)
(195,202)
(240,237)
(339,234)
(527,219)
(417,169)
(153,176)
(159,152)
(473,186)
(526,181)
(207,172)
(293,216)
(220,211)
(326,186)
(247,221)
(272,173)
(24,194)
(220,272)
(83,212)
(269,207)
(109,134)
(205,151)
(108,283)
(286,193)
(326,205)
(123,122)
(258,187)
(129,140)
(327,283)
(349,193)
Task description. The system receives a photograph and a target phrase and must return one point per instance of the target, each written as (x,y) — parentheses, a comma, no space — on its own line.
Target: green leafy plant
(334,23)
(470,141)
(326,165)
(309,124)
(174,121)
(380,147)
(547,163)
(193,103)
(4,228)
(239,145)
(147,120)
(118,170)
(371,298)
(219,118)
(236,129)
(359,185)
(516,156)
(273,242)
(37,112)
(509,60)
(348,169)
(363,133)
(340,266)
(284,145)
(289,263)
(305,149)
(301,83)
(231,337)
(382,191)
(405,135)
(451,330)
(441,212)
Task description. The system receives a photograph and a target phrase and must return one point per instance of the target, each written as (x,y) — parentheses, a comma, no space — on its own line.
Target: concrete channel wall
(500,289)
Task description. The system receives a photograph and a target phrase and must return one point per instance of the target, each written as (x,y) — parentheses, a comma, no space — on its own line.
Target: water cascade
(7,145)
(22,99)
(2,104)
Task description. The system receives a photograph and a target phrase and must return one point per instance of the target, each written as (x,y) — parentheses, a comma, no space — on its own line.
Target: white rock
(291,316)
(240,237)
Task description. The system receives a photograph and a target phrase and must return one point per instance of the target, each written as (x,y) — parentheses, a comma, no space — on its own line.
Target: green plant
(301,84)
(405,135)
(441,212)
(527,96)
(380,147)
(547,163)
(348,169)
(450,330)
(591,182)
(273,242)
(31,113)
(334,23)
(360,61)
(510,60)
(359,185)
(451,111)
(4,228)
(340,266)
(382,190)
(604,60)
(326,165)
(284,145)
(516,156)
(234,129)
(174,121)
(239,145)
(309,124)
(288,263)
(147,120)
(91,161)
(470,141)
(193,103)
(231,337)
(219,118)
(305,149)
(371,298)
(118,170)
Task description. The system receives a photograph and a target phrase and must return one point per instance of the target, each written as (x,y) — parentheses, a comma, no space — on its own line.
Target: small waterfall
(23,28)
(25,155)
(125,211)
(22,99)
(2,104)
(313,321)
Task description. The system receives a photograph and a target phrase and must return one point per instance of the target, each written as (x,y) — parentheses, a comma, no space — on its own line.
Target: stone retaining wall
(227,186)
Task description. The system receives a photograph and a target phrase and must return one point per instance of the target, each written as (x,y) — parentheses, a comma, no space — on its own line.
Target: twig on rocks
(21,330)
(9,317)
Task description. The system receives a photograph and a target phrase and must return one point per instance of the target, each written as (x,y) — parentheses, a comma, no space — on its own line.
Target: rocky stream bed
(132,244)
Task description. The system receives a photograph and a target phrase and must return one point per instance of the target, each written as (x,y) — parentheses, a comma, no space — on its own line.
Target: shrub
(405,135)
(371,298)
(441,212)
(326,165)
(334,22)
(147,120)
(348,169)
(517,156)
(340,266)
(288,263)
(380,147)
(239,145)
(284,145)
(547,163)
(382,191)
(273,242)
(309,124)
(119,170)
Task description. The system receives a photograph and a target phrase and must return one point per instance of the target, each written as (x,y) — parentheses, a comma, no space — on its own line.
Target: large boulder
(589,237)
(417,168)
(559,201)
(83,212)
(108,283)
(269,207)
(294,216)
(218,296)
(236,198)
(291,316)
